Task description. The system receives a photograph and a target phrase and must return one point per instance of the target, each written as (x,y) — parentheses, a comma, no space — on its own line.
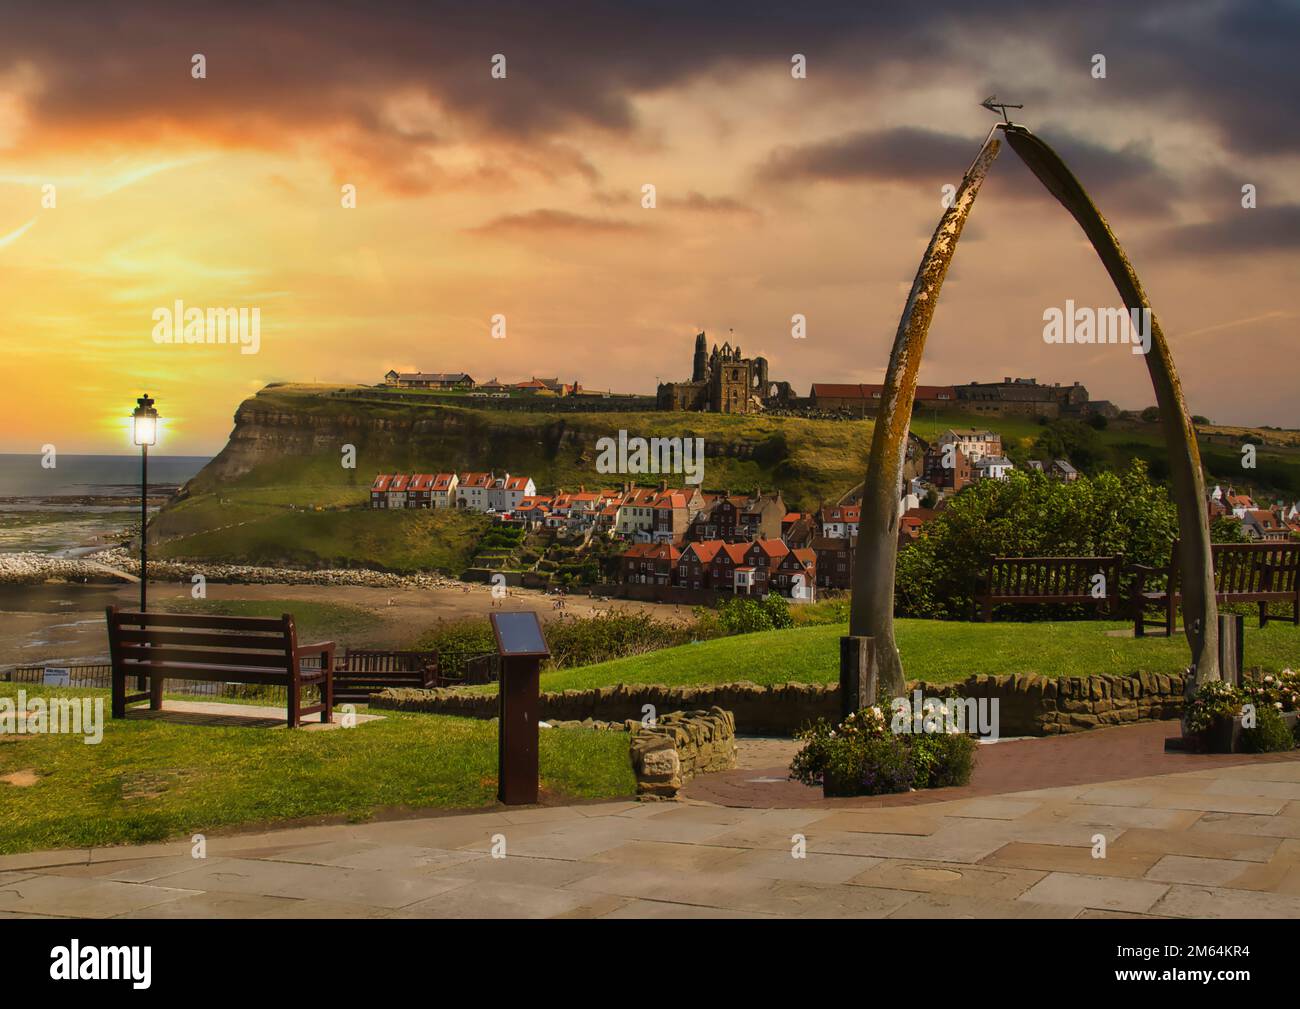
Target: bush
(1270,734)
(943,759)
(1214,700)
(862,757)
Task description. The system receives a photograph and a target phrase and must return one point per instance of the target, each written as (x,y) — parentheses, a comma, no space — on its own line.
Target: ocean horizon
(90,475)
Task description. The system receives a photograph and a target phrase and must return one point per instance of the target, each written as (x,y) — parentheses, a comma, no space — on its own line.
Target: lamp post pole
(144,432)
(144,519)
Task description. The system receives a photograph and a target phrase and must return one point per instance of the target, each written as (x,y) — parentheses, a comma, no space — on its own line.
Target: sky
(129,181)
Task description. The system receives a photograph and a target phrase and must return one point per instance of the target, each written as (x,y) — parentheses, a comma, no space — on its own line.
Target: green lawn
(270,533)
(151,780)
(932,650)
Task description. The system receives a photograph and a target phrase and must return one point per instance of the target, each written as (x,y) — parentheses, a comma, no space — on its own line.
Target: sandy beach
(64,622)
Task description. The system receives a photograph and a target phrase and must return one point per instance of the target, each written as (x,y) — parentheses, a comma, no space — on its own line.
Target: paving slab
(1107,893)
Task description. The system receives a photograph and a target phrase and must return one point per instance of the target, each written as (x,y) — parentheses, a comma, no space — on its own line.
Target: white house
(472,491)
(507,491)
(993,467)
(975,443)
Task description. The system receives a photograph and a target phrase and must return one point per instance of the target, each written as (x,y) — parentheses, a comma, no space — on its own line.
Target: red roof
(381,482)
(399,482)
(422,481)
(443,481)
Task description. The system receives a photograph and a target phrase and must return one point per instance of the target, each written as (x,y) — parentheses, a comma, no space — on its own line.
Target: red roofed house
(397,491)
(1265,526)
(379,490)
(796,574)
(507,491)
(472,491)
(443,492)
(840,521)
(649,564)
(419,490)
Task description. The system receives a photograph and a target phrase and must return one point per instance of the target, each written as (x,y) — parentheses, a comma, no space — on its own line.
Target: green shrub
(1270,734)
(1213,700)
(862,757)
(943,759)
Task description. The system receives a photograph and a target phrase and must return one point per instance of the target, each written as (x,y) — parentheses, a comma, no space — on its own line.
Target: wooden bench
(1243,573)
(1048,580)
(361,673)
(260,650)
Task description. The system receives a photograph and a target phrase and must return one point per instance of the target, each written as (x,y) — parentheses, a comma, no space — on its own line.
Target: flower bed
(1260,716)
(862,756)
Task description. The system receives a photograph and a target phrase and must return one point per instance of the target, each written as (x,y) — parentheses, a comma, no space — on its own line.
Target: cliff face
(283,436)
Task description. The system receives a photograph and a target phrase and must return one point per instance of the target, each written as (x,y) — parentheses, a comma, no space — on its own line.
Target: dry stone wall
(1027,705)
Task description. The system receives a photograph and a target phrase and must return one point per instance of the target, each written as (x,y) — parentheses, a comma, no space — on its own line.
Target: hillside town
(685,544)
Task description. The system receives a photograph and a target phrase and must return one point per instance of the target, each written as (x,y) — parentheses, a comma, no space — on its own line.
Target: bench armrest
(325,649)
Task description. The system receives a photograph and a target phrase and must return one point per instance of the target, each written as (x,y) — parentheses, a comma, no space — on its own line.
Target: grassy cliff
(278,493)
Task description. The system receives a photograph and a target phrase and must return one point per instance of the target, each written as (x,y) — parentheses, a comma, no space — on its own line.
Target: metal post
(517,725)
(144,519)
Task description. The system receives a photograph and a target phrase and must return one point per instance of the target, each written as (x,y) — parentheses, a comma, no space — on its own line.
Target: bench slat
(202,621)
(278,643)
(229,656)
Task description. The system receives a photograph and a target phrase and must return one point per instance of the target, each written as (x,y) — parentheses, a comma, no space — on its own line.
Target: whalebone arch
(872,609)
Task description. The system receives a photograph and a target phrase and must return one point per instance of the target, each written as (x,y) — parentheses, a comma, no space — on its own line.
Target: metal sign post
(521,647)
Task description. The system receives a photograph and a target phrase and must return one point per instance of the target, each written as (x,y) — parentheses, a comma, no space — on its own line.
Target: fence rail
(100,675)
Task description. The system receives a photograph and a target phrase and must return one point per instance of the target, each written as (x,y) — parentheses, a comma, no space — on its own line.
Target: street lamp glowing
(144,430)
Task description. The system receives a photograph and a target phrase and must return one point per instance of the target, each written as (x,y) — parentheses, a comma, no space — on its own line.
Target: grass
(152,780)
(403,541)
(267,514)
(314,621)
(932,650)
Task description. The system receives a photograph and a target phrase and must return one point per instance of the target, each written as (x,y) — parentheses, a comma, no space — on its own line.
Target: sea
(82,502)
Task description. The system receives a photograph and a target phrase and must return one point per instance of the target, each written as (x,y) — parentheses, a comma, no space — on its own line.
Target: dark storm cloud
(1128,178)
(1241,232)
(903,153)
(279,72)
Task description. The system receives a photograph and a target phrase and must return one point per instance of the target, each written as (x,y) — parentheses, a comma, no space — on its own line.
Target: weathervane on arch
(993,105)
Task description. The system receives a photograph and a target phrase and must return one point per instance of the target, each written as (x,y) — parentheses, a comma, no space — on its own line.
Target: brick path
(1126,751)
(1217,840)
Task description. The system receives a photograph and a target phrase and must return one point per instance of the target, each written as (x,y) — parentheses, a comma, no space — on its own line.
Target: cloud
(899,154)
(1128,177)
(1241,232)
(546,221)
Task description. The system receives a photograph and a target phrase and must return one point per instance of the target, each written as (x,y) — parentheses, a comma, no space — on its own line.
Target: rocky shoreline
(34,569)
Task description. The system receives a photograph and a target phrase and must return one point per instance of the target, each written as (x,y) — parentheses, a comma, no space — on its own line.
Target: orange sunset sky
(522,196)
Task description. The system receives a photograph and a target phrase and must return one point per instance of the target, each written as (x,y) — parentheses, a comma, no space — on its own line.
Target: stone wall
(679,746)
(1027,705)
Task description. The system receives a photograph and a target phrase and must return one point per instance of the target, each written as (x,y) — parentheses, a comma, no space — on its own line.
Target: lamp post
(144,432)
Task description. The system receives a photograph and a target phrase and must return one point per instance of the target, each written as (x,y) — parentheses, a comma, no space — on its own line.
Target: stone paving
(1218,841)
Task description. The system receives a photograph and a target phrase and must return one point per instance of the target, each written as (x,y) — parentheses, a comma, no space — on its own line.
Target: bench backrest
(1243,568)
(1051,576)
(374,661)
(248,649)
